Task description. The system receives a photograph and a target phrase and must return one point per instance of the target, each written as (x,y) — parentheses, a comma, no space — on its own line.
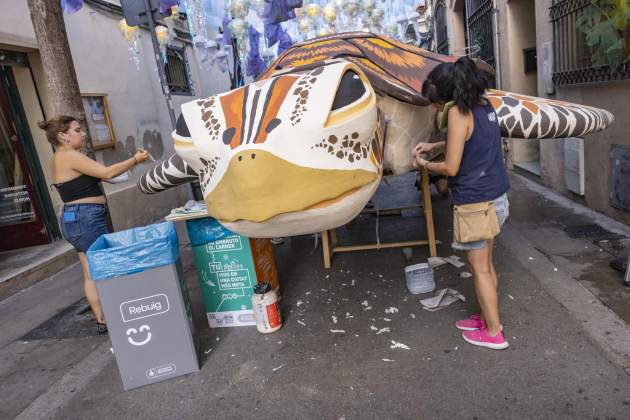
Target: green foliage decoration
(606,26)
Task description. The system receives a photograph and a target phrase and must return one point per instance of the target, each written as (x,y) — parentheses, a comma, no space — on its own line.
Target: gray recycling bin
(141,285)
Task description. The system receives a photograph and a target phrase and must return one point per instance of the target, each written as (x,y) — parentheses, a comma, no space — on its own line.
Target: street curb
(602,324)
(38,272)
(62,391)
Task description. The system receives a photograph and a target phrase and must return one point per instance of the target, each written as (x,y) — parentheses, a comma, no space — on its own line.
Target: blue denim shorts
(82,224)
(502,207)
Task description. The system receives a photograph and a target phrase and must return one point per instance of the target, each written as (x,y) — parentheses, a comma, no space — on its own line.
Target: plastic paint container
(266,309)
(419,278)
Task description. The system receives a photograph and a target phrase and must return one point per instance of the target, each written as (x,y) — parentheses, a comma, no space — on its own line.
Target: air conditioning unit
(574,164)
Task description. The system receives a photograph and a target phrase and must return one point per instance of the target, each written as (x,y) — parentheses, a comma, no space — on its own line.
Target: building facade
(118,93)
(537,48)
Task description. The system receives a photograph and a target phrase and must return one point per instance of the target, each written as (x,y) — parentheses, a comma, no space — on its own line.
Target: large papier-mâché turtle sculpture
(303,148)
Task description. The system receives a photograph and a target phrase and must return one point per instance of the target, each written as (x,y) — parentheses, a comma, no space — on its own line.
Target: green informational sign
(227,275)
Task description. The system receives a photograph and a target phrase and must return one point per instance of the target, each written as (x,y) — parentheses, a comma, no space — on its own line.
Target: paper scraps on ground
(334,319)
(436,261)
(397,345)
(442,298)
(191,207)
(465,275)
(454,261)
(338,331)
(298,303)
(365,303)
(277,368)
(301,323)
(388,360)
(391,310)
(383,330)
(207,351)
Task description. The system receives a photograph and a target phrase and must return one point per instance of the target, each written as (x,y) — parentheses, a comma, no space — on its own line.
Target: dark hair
(54,126)
(462,82)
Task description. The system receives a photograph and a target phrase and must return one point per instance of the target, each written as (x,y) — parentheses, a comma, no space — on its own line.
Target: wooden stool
(329,237)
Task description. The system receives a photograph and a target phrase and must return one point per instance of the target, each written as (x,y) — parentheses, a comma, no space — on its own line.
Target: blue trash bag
(206,230)
(133,250)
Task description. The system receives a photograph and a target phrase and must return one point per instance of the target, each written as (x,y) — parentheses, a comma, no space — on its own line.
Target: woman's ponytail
(462,82)
(470,84)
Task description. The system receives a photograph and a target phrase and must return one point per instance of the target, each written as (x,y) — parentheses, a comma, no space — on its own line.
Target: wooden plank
(326,249)
(385,245)
(428,211)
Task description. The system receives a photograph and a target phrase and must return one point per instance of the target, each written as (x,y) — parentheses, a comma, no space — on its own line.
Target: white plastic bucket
(419,278)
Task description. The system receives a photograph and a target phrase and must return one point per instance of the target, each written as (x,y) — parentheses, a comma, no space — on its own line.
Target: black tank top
(80,187)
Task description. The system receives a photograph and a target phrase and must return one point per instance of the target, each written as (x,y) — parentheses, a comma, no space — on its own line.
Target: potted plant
(606,26)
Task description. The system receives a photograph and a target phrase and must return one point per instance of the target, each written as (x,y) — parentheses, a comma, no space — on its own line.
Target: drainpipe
(497,59)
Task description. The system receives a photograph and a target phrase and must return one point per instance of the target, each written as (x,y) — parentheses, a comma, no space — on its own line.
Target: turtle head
(293,154)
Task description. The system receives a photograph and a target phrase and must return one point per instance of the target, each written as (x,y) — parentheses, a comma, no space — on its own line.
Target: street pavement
(564,312)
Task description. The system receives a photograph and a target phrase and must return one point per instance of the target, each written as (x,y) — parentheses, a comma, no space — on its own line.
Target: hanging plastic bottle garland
(130,34)
(163,37)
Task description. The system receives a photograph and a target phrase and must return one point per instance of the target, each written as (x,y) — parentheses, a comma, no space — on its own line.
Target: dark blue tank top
(482,175)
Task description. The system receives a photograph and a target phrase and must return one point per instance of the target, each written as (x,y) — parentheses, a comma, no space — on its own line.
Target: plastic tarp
(133,250)
(206,230)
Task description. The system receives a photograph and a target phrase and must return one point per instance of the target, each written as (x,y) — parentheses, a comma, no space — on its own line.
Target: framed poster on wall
(98,120)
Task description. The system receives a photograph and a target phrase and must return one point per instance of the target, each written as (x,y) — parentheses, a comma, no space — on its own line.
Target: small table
(329,237)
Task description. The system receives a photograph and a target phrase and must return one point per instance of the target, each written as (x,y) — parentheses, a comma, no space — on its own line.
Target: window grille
(572,56)
(177,71)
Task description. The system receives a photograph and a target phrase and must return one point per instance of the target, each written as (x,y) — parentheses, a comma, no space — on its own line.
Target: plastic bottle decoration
(130,34)
(238,28)
(313,10)
(222,61)
(163,37)
(304,26)
(376,20)
(239,9)
(329,14)
(257,6)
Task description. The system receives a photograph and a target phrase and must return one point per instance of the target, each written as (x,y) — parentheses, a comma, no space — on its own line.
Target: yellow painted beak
(264,185)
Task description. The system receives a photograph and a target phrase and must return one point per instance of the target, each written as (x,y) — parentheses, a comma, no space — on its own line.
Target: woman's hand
(419,162)
(141,156)
(421,148)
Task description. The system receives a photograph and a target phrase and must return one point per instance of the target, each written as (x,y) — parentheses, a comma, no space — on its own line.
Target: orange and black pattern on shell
(522,116)
(393,68)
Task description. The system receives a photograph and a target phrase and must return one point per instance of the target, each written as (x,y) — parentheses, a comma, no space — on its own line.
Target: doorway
(26,214)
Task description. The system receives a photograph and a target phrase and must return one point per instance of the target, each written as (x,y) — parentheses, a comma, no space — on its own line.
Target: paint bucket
(266,309)
(419,278)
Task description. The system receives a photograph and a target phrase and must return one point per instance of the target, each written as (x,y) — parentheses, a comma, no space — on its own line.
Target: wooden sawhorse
(329,237)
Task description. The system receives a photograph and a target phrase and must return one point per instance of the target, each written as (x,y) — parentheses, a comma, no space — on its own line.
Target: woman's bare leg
(485,287)
(91,294)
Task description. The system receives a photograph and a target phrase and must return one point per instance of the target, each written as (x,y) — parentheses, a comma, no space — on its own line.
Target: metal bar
(160,65)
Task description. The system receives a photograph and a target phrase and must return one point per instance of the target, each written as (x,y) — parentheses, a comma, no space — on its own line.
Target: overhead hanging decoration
(163,37)
(130,34)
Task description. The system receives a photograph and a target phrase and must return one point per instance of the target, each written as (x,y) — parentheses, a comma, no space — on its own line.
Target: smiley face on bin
(139,336)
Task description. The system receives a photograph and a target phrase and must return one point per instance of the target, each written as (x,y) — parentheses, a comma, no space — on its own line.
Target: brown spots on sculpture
(208,116)
(209,167)
(347,149)
(302,92)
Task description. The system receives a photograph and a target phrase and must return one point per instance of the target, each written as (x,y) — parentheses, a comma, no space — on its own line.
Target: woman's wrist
(135,161)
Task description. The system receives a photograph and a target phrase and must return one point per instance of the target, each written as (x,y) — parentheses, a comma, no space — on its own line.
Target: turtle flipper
(529,117)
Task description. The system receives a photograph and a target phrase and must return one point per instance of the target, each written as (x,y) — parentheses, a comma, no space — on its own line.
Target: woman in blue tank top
(476,171)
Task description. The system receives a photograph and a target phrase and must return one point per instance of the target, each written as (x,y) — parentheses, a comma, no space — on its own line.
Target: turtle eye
(351,89)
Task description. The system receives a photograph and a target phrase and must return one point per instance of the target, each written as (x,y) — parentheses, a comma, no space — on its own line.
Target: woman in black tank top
(474,164)
(78,180)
